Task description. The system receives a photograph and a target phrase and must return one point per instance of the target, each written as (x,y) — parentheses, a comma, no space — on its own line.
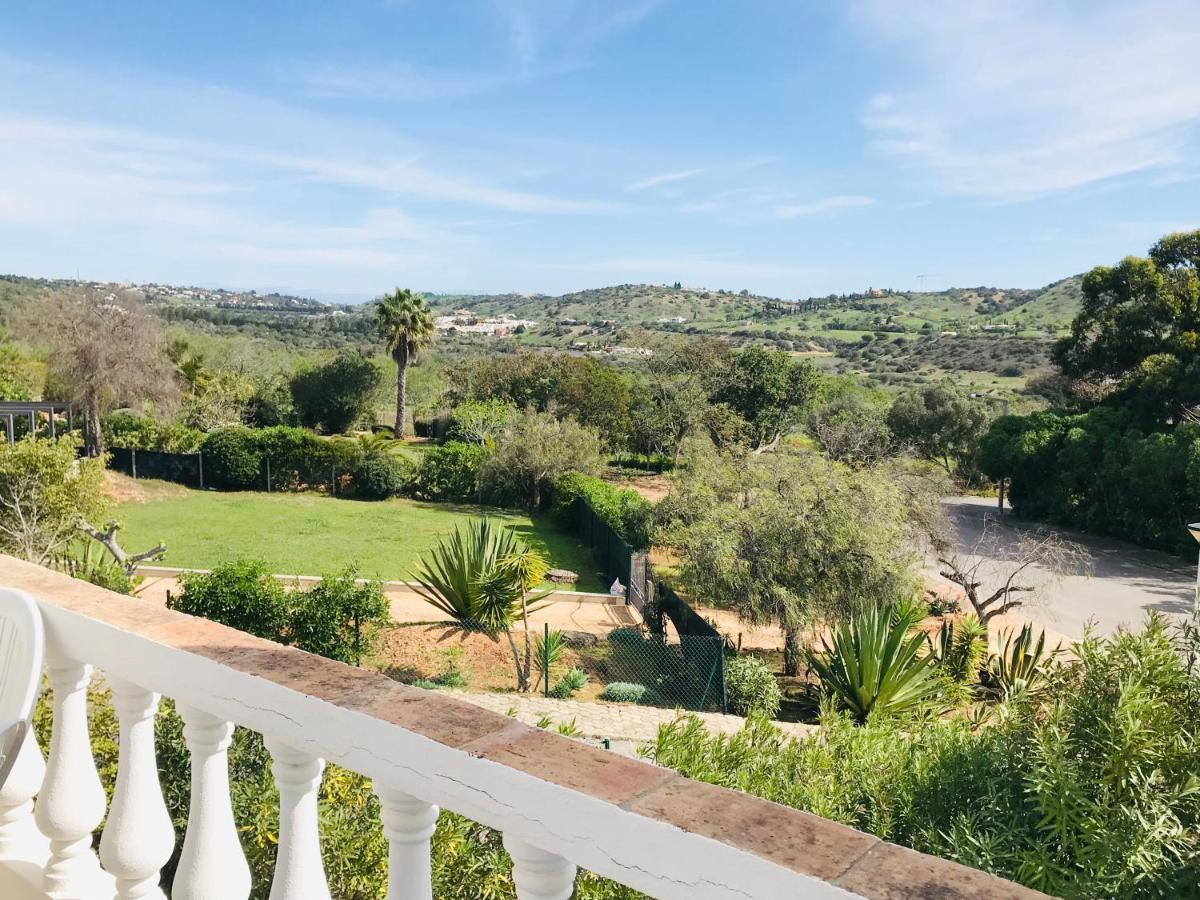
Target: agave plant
(548,651)
(874,665)
(960,650)
(479,576)
(1022,663)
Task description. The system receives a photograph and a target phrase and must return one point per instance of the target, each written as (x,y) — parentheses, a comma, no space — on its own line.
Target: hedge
(627,512)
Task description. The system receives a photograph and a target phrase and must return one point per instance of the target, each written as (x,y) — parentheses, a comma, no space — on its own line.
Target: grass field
(308,534)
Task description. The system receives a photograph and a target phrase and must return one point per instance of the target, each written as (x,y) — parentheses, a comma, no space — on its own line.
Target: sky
(791,148)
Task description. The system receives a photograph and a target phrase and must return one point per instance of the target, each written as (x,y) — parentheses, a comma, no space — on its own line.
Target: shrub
(873,665)
(241,594)
(626,512)
(751,687)
(233,458)
(534,449)
(380,477)
(335,395)
(1091,793)
(128,431)
(626,692)
(340,618)
(569,684)
(450,472)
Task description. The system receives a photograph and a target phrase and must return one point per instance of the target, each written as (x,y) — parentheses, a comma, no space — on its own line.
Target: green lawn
(309,534)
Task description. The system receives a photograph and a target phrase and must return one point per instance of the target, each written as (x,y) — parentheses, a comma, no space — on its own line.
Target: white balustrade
(575,806)
(408,824)
(537,874)
(71,802)
(299,873)
(19,835)
(138,837)
(212,865)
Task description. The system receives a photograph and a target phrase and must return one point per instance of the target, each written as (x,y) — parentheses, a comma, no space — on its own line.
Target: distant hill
(19,286)
(1044,312)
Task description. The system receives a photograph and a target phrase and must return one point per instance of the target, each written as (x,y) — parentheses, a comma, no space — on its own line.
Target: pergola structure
(11,410)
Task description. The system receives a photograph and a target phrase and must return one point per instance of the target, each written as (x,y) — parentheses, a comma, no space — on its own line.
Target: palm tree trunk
(528,644)
(522,681)
(401,357)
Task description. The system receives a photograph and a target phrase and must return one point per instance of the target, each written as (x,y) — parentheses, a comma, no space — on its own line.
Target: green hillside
(590,314)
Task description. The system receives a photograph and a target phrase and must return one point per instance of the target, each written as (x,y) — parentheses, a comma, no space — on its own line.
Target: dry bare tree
(998,576)
(104,352)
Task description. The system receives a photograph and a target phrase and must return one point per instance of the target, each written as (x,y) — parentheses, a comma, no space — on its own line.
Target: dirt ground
(652,487)
(123,489)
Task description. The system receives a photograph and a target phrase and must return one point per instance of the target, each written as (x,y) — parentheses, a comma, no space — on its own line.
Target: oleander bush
(750,687)
(1092,791)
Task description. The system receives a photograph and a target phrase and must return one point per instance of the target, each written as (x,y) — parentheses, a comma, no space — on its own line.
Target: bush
(233,458)
(1091,793)
(340,618)
(380,477)
(626,692)
(336,395)
(241,594)
(571,682)
(450,472)
(125,430)
(751,687)
(626,512)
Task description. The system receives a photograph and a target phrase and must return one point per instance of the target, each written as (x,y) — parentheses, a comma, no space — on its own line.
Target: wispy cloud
(664,178)
(1011,100)
(824,205)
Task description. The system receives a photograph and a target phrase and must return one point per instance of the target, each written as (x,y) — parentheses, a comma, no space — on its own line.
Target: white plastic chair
(22,644)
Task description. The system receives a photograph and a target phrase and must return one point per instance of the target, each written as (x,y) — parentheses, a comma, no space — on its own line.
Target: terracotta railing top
(353,716)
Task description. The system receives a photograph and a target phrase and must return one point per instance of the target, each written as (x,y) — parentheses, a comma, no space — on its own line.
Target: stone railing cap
(804,843)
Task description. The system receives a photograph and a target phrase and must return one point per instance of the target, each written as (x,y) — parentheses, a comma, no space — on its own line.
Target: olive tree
(104,352)
(534,449)
(790,540)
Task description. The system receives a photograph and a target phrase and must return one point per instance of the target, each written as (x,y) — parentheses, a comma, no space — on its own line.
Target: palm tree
(481,577)
(405,324)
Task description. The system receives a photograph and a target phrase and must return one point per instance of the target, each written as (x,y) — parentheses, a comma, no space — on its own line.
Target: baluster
(212,865)
(408,823)
(538,874)
(299,872)
(138,838)
(71,801)
(19,835)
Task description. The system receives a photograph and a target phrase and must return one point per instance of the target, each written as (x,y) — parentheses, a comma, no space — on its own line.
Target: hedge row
(1100,472)
(627,512)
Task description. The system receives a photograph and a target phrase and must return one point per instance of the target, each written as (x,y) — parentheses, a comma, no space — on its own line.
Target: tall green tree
(1139,328)
(939,423)
(790,541)
(336,395)
(770,391)
(405,323)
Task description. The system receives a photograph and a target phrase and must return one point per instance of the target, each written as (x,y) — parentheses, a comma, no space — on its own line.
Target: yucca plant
(548,651)
(480,577)
(1021,663)
(874,666)
(960,649)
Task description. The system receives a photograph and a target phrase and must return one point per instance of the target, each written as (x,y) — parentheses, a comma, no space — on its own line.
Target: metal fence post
(268,461)
(200,460)
(546,658)
(133,460)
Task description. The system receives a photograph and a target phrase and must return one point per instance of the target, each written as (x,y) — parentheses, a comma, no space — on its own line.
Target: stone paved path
(618,721)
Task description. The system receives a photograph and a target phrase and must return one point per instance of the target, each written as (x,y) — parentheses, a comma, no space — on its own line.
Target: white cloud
(664,178)
(1010,99)
(824,205)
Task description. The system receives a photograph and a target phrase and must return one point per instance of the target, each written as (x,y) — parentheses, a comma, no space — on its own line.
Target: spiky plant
(1021,664)
(479,577)
(960,650)
(875,666)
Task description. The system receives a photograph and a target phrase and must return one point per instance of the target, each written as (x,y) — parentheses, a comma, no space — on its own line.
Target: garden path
(623,722)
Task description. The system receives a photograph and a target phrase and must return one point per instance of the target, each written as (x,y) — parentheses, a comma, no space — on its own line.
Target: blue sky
(792,148)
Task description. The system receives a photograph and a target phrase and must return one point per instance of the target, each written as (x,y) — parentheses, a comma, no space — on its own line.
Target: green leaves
(873,666)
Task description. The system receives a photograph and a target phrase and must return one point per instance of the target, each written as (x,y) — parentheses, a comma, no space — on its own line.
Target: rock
(562,576)
(580,639)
